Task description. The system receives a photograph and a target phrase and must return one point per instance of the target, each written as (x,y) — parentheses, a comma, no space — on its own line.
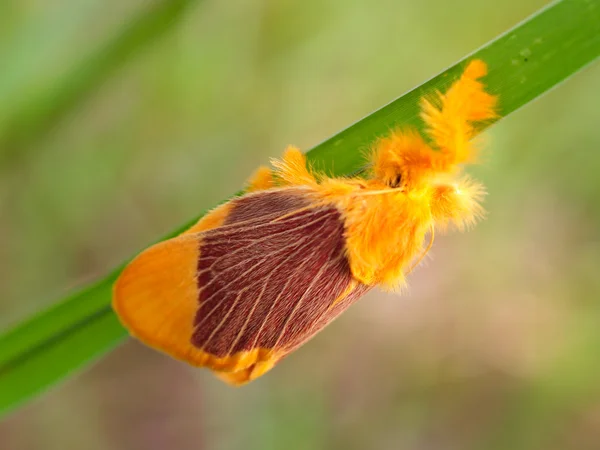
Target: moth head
(404,160)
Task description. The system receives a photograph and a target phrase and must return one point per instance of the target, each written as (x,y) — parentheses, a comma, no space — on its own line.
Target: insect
(261,274)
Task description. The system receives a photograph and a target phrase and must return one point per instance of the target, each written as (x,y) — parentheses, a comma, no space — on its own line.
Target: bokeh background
(495,345)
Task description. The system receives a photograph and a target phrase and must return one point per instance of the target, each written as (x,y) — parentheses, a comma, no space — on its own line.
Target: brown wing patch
(269,281)
(239,297)
(266,359)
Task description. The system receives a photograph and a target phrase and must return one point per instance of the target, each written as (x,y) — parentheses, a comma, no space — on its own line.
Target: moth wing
(156,296)
(239,297)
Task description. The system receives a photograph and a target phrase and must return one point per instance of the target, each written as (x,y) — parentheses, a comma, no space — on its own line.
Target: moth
(260,275)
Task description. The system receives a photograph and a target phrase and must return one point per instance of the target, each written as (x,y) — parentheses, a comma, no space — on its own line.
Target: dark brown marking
(270,275)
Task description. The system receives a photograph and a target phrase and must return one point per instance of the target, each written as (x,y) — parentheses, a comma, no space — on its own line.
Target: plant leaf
(524,63)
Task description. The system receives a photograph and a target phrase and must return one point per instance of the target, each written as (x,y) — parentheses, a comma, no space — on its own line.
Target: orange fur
(451,125)
(292,169)
(262,179)
(169,330)
(413,188)
(211,220)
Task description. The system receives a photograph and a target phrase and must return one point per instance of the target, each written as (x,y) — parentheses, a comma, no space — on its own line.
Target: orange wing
(239,297)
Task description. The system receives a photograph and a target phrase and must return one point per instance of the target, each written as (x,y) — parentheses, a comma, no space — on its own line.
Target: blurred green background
(493,346)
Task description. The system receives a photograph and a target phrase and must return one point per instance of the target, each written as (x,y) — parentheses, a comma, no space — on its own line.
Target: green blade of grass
(524,63)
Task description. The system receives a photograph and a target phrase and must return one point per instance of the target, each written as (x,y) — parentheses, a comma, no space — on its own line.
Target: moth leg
(449,117)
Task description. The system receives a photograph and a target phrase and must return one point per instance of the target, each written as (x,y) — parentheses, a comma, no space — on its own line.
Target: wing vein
(270,255)
(301,300)
(257,301)
(272,307)
(255,242)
